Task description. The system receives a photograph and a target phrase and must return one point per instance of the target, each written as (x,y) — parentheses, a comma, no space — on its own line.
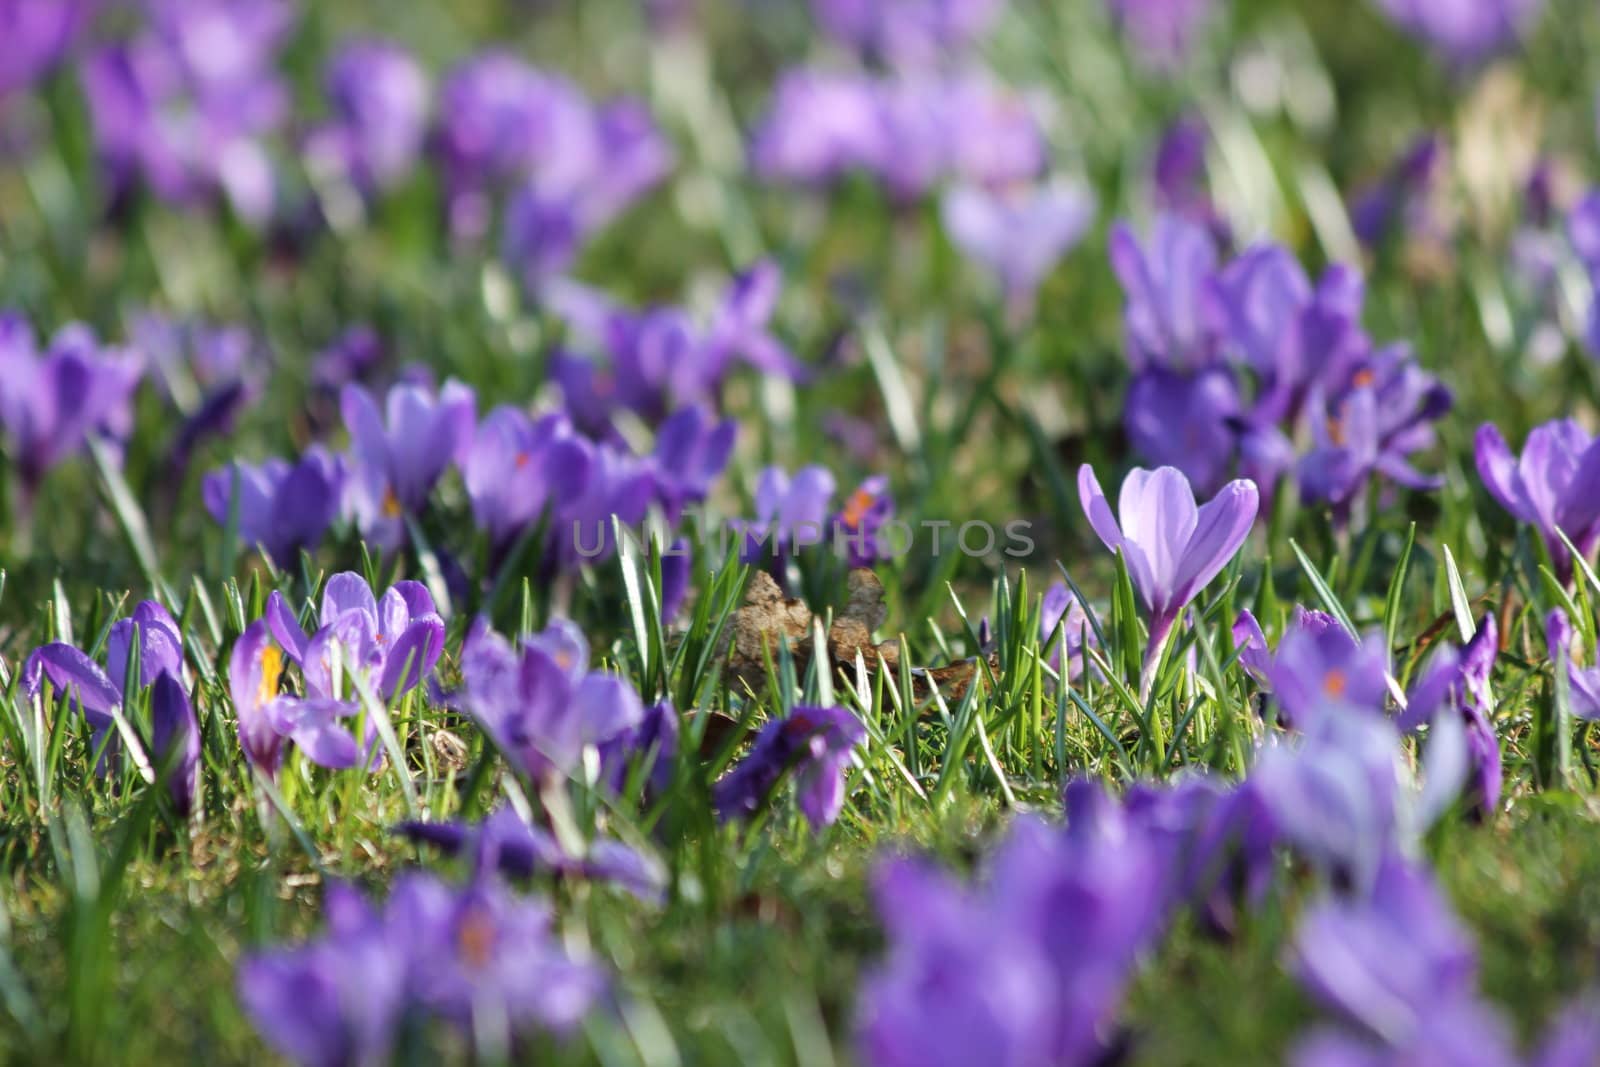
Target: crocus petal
(411,658)
(1498,469)
(1096,509)
(70,671)
(175,737)
(347,591)
(285,626)
(1220,528)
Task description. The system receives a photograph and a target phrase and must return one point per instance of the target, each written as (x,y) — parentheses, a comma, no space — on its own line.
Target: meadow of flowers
(899,532)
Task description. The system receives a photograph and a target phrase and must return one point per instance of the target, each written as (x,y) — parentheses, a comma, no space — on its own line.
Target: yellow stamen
(855,509)
(475,939)
(271,670)
(391,505)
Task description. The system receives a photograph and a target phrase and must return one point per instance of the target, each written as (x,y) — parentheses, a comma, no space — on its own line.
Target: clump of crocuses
(477,958)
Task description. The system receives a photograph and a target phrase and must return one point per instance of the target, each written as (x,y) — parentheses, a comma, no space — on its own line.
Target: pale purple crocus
(1172,548)
(1185,420)
(379,98)
(392,642)
(1324,670)
(1583,683)
(1162,31)
(1554,485)
(1018,235)
(1464,32)
(539,701)
(816,743)
(279,506)
(267,720)
(791,512)
(1169,316)
(34,37)
(518,468)
(906,32)
(398,456)
(51,404)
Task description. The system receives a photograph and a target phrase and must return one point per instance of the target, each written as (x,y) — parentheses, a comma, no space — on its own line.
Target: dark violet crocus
(175,740)
(1404,200)
(539,701)
(517,467)
(281,507)
(517,849)
(379,98)
(34,36)
(267,719)
(816,743)
(392,642)
(1464,31)
(185,107)
(1018,235)
(692,450)
(1553,486)
(1185,420)
(51,404)
(1172,548)
(397,457)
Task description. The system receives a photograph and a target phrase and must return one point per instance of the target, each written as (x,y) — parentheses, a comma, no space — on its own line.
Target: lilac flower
(1553,486)
(185,106)
(337,1001)
(1185,421)
(817,743)
(1019,235)
(1172,548)
(1389,958)
(51,405)
(1012,973)
(520,850)
(393,642)
(858,524)
(906,31)
(477,957)
(1162,30)
(1464,33)
(1060,608)
(1583,683)
(1583,228)
(34,36)
(517,468)
(378,95)
(280,507)
(98,692)
(1384,413)
(692,449)
(1169,318)
(397,459)
(790,512)
(266,719)
(539,702)
(819,126)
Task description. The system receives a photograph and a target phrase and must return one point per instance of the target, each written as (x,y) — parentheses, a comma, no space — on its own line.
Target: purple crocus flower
(516,468)
(520,850)
(1172,548)
(1178,174)
(1018,235)
(98,692)
(1162,30)
(1323,670)
(186,105)
(1059,608)
(1389,958)
(337,1001)
(1460,687)
(857,525)
(348,359)
(1010,972)
(1403,201)
(819,126)
(393,642)
(1583,229)
(281,507)
(817,743)
(175,740)
(266,719)
(1464,31)
(378,95)
(1583,683)
(692,449)
(1553,486)
(539,702)
(50,405)
(790,512)
(906,32)
(620,489)
(1168,317)
(396,459)
(34,36)
(1185,420)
